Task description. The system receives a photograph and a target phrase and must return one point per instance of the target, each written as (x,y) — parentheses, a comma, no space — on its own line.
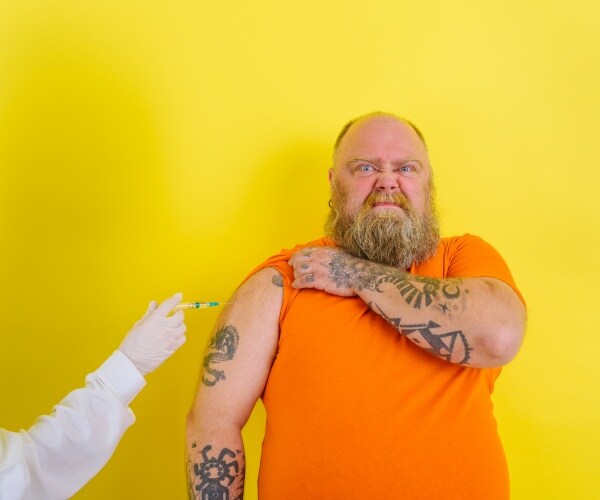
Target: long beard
(397,238)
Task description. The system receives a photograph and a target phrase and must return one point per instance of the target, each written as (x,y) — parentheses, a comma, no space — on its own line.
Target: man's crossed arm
(476,322)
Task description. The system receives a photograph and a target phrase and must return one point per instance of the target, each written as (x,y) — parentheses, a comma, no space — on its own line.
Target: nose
(387,183)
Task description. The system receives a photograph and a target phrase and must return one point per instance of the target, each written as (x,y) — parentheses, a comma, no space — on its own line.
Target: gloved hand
(156,336)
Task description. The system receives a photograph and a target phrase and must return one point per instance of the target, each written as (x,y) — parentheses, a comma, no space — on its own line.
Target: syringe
(199,305)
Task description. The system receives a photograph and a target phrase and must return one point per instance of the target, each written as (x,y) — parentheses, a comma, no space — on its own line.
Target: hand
(325,268)
(156,336)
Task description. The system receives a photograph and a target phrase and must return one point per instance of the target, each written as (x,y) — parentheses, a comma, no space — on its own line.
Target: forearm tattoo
(213,477)
(419,292)
(348,271)
(222,347)
(450,346)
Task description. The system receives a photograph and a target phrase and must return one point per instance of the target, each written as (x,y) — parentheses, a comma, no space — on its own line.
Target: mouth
(386,204)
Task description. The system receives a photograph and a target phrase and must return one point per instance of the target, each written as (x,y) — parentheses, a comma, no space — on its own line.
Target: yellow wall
(150,147)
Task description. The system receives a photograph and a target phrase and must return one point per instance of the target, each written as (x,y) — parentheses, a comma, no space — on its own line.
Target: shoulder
(279,261)
(469,256)
(465,256)
(468,253)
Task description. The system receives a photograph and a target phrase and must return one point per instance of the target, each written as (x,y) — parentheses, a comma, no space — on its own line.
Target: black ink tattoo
(409,291)
(212,474)
(277,280)
(348,271)
(239,491)
(451,346)
(420,290)
(222,348)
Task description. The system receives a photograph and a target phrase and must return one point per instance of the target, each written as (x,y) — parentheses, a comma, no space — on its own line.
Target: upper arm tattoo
(222,347)
(277,280)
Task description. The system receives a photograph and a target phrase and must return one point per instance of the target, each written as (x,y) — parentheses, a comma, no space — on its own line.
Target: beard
(397,238)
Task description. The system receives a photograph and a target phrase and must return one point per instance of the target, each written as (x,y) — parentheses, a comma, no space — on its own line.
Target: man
(61,452)
(374,350)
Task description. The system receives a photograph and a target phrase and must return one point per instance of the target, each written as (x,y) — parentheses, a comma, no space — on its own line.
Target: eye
(365,169)
(407,168)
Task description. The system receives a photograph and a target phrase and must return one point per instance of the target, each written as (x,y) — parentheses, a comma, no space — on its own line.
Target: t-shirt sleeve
(280,263)
(471,257)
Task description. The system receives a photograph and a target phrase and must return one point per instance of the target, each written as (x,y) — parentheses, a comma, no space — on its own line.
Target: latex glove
(156,336)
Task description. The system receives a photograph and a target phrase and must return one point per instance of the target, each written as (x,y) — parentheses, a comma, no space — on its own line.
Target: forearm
(234,372)
(471,321)
(62,451)
(215,461)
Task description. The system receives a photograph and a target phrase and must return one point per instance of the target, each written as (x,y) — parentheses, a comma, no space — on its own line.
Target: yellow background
(151,147)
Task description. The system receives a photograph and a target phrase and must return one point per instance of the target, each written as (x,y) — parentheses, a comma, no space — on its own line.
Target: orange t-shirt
(357,411)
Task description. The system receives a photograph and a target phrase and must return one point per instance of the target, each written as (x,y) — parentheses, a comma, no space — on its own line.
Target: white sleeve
(61,452)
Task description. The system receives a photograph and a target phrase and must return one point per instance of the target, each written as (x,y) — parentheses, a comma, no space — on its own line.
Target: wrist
(122,375)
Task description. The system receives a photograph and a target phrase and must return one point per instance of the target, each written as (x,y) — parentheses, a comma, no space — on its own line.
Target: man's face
(381,193)
(385,156)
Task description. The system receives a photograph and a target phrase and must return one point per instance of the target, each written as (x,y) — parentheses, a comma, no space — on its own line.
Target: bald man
(374,349)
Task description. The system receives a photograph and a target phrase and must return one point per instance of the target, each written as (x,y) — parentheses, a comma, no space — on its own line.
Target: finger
(167,305)
(175,332)
(305,253)
(295,258)
(170,321)
(149,311)
(180,342)
(300,270)
(176,318)
(304,281)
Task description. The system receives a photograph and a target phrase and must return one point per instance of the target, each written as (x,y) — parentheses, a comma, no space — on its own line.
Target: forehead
(381,137)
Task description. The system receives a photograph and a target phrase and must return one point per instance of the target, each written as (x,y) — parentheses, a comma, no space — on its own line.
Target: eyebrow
(378,161)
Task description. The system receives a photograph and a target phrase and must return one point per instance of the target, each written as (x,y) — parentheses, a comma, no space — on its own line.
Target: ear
(331,175)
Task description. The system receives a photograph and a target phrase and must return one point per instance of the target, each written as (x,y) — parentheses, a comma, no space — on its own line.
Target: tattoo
(310,277)
(444,308)
(215,475)
(419,289)
(277,280)
(222,348)
(239,491)
(350,272)
(409,291)
(451,346)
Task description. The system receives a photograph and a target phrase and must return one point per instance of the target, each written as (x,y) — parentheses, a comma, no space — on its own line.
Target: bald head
(369,116)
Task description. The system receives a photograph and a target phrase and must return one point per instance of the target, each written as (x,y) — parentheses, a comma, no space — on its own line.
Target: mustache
(395,198)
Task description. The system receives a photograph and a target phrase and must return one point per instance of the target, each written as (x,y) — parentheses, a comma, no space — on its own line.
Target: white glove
(155,337)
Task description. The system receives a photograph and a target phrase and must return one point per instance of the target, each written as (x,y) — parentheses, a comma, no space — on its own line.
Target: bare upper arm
(240,352)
